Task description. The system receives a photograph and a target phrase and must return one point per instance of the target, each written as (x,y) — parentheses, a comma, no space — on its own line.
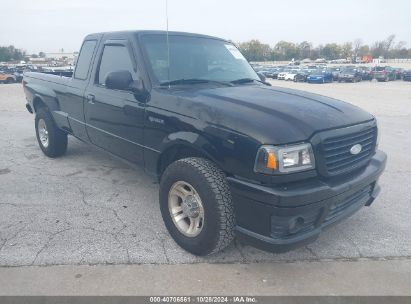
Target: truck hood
(273,114)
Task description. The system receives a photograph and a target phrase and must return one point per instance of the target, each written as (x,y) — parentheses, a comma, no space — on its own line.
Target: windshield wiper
(193,81)
(246,80)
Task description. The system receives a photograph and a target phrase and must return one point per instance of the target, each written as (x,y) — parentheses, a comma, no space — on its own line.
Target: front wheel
(52,140)
(196,206)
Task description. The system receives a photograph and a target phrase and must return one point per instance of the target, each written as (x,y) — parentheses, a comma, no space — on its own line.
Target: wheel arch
(186,144)
(38,103)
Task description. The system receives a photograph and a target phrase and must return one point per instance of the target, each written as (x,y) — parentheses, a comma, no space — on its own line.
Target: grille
(336,150)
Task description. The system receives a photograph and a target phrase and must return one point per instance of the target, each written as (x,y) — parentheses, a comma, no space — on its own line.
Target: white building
(62,56)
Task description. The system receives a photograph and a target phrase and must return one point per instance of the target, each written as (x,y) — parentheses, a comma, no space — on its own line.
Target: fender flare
(190,140)
(47,96)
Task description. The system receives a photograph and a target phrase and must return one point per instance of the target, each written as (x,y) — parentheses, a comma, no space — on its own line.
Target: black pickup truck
(234,156)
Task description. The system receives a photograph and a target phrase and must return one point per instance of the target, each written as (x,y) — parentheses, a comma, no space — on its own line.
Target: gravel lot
(91,208)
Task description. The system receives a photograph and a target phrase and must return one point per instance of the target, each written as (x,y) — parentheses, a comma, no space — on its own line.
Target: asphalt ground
(91,208)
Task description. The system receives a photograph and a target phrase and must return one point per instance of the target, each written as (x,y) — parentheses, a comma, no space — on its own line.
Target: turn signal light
(271,161)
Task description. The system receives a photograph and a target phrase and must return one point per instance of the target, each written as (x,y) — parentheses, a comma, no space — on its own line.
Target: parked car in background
(349,75)
(406,75)
(336,72)
(264,72)
(6,77)
(271,72)
(276,71)
(320,76)
(301,76)
(384,73)
(291,75)
(17,72)
(19,75)
(366,73)
(320,60)
(398,73)
(281,75)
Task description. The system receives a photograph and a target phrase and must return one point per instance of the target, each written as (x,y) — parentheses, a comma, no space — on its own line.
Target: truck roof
(153,32)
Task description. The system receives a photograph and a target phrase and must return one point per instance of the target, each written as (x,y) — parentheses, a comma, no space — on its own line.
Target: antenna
(168,44)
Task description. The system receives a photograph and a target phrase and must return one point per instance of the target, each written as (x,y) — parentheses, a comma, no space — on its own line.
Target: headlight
(284,159)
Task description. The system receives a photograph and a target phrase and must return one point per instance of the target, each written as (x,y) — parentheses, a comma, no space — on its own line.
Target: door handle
(90,98)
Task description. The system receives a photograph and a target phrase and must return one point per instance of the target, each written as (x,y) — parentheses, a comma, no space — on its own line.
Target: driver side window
(114,58)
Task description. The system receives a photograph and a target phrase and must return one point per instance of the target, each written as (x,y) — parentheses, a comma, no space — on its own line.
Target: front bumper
(380,76)
(286,217)
(315,80)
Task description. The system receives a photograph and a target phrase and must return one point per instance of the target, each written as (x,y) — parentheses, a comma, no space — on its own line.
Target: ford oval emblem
(356,149)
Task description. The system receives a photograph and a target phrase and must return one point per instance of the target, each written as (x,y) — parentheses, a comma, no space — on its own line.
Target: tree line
(9,53)
(254,50)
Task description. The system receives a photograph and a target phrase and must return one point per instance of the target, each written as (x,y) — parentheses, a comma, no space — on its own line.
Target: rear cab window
(84,59)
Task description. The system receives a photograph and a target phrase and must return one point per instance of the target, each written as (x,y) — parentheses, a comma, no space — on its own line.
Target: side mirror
(118,80)
(140,91)
(262,77)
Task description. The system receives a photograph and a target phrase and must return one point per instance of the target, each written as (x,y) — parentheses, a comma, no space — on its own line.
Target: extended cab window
(114,58)
(84,60)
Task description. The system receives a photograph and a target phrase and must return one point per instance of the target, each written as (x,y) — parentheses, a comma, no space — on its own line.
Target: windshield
(195,58)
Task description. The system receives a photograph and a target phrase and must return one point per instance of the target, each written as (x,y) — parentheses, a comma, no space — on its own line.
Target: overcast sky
(51,25)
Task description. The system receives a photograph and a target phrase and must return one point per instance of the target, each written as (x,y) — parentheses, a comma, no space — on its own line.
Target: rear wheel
(196,205)
(9,80)
(52,140)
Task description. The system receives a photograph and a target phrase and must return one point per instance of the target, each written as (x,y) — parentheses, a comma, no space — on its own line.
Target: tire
(52,140)
(9,80)
(210,186)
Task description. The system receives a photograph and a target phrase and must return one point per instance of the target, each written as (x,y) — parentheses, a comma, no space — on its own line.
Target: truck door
(72,96)
(114,118)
